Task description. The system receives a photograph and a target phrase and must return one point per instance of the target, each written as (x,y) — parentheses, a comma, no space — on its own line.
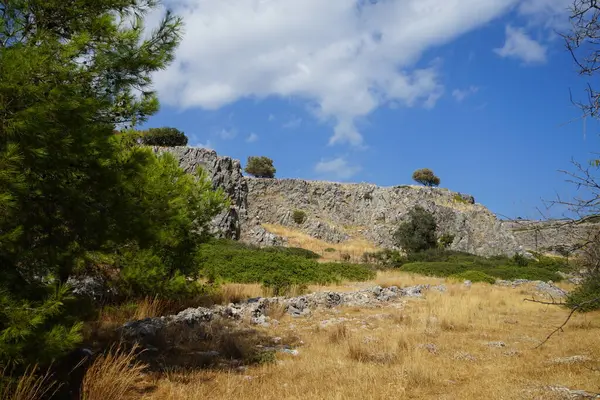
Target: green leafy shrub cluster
(443,263)
(299,216)
(222,261)
(260,167)
(446,240)
(166,137)
(586,297)
(503,271)
(387,258)
(418,233)
(474,276)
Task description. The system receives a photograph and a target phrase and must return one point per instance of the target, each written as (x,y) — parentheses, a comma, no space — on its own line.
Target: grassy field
(445,346)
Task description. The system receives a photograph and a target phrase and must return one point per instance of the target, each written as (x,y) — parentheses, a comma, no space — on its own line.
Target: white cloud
(227,134)
(208,145)
(347,58)
(552,14)
(253,137)
(293,123)
(519,45)
(460,95)
(337,168)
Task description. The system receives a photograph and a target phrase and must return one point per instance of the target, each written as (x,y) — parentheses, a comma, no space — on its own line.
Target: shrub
(167,137)
(418,233)
(387,258)
(299,216)
(446,240)
(273,268)
(329,250)
(441,269)
(345,256)
(474,276)
(260,167)
(294,251)
(426,177)
(587,296)
(520,260)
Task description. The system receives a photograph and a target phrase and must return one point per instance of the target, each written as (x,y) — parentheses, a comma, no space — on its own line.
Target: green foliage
(166,137)
(474,276)
(446,240)
(426,177)
(299,216)
(459,199)
(329,250)
(435,268)
(418,233)
(294,251)
(586,297)
(69,187)
(387,258)
(260,167)
(35,331)
(520,260)
(444,263)
(230,262)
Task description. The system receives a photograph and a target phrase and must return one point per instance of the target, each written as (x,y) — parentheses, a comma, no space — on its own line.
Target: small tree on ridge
(426,177)
(260,167)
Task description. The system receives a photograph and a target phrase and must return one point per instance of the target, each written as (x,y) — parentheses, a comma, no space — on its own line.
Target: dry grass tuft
(150,307)
(374,351)
(30,386)
(353,248)
(276,310)
(116,375)
(339,333)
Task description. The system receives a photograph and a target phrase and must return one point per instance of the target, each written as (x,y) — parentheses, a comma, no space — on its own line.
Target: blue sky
(477,91)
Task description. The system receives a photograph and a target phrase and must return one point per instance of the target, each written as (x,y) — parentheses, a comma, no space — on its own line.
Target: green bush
(418,233)
(299,216)
(511,272)
(228,263)
(587,296)
(260,167)
(294,251)
(446,240)
(387,258)
(474,276)
(166,137)
(426,177)
(440,269)
(443,263)
(329,250)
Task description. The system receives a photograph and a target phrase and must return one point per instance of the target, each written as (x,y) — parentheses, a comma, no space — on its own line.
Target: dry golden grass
(439,347)
(116,376)
(30,386)
(355,247)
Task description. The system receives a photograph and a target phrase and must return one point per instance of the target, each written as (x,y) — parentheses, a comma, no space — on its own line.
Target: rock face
(550,235)
(224,173)
(336,212)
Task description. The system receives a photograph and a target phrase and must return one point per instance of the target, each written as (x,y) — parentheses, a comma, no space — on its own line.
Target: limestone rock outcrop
(336,212)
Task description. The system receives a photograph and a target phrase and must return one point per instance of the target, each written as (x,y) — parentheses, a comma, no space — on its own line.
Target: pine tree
(70,71)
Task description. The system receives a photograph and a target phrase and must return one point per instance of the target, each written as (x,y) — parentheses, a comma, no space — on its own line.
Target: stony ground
(456,341)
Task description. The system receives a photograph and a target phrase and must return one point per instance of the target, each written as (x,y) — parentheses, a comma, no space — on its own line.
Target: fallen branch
(560,328)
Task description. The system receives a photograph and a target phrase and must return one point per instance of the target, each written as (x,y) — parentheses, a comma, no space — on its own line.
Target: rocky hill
(551,235)
(336,212)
